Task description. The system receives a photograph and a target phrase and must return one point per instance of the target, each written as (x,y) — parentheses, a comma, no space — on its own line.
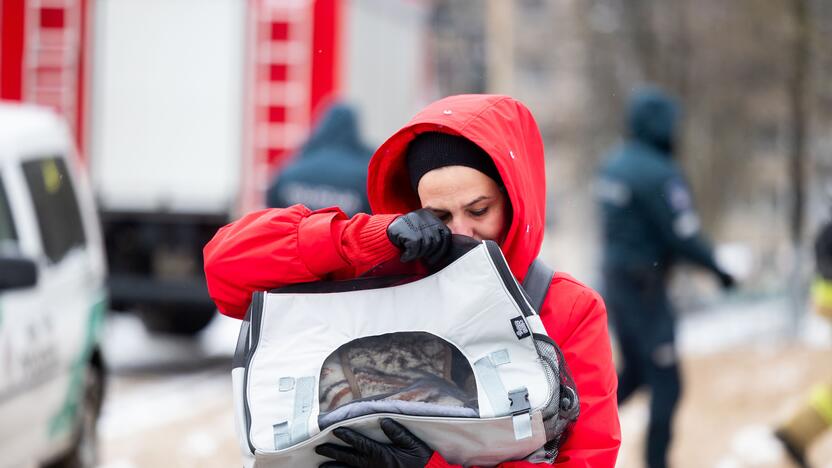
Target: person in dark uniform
(648,223)
(330,169)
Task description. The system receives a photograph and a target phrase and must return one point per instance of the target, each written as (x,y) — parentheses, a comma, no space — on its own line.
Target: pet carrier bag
(460,357)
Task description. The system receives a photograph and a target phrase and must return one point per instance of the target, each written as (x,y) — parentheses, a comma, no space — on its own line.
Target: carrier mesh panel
(413,367)
(562,410)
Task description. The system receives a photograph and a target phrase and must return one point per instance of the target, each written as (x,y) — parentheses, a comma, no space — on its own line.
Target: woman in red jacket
(468,164)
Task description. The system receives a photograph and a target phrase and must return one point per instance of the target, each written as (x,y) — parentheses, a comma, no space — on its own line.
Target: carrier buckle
(521,413)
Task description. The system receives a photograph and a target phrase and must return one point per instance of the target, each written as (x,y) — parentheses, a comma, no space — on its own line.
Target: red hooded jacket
(275,247)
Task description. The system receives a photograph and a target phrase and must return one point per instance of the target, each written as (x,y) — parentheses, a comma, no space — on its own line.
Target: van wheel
(84,453)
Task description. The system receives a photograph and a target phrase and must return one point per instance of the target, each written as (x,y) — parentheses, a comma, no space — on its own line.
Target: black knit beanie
(432,150)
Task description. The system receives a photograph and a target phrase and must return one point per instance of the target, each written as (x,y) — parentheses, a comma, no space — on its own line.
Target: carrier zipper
(398,417)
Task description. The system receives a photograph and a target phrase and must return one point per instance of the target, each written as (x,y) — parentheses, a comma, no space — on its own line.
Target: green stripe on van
(66,417)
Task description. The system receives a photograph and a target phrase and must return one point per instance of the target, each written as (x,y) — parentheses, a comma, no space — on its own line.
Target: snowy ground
(169,401)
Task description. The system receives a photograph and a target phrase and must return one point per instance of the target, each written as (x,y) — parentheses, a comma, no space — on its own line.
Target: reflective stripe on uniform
(822,293)
(612,191)
(821,400)
(686,225)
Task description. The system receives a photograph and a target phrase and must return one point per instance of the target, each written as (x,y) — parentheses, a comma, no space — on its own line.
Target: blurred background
(184,112)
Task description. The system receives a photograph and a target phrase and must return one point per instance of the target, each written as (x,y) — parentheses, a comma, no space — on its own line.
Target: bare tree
(797,97)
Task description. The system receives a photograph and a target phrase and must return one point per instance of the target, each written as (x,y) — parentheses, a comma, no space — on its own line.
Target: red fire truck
(184,110)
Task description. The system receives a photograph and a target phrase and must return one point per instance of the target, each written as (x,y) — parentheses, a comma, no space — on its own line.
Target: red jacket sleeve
(275,247)
(576,318)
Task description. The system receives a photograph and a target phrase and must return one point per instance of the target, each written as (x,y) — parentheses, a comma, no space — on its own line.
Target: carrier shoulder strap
(537,282)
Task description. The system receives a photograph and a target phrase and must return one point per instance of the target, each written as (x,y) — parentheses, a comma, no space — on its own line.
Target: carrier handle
(241,350)
(460,245)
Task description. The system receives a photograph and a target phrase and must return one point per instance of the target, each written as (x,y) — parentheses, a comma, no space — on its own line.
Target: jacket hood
(338,128)
(506,130)
(652,118)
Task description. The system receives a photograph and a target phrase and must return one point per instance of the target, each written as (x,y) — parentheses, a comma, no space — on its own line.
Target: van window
(56,207)
(8,234)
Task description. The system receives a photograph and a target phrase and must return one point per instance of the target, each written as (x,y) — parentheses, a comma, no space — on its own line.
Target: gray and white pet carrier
(460,357)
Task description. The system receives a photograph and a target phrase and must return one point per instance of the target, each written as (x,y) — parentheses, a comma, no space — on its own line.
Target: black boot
(795,452)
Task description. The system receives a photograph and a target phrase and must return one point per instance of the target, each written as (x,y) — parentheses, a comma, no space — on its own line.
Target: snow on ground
(737,321)
(169,399)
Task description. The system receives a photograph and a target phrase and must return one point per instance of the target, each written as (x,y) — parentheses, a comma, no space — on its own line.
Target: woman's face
(467,201)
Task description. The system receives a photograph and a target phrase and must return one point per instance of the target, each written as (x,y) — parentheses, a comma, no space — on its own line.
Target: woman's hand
(406,451)
(420,234)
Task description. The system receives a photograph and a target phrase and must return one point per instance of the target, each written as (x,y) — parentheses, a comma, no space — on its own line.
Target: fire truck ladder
(52,53)
(280,94)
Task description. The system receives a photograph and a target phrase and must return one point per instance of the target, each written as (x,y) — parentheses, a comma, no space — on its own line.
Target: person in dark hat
(330,169)
(468,164)
(648,225)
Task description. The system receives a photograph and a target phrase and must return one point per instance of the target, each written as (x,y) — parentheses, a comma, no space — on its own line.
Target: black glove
(406,451)
(726,280)
(420,234)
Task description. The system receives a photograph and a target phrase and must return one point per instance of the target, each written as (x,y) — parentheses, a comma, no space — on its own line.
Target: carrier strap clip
(521,413)
(304,400)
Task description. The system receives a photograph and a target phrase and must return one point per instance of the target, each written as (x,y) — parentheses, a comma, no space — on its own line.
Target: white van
(52,295)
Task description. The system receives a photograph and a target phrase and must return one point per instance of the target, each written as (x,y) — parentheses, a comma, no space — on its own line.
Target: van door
(59,327)
(27,351)
(70,284)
